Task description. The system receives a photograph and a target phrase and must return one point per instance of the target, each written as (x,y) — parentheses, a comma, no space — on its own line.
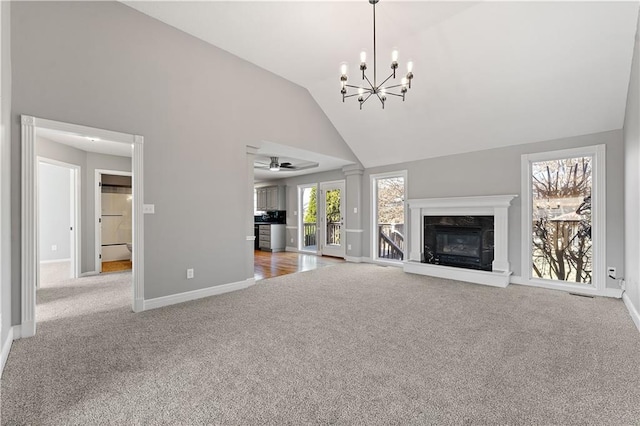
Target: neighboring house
(106,65)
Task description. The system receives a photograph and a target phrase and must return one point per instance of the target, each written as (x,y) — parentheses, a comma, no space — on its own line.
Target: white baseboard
(90,273)
(291,249)
(138,305)
(6,347)
(54,261)
(635,316)
(616,293)
(24,330)
(608,292)
(159,302)
(353,259)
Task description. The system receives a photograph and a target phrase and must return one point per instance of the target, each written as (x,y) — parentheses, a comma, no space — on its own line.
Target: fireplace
(473,234)
(461,241)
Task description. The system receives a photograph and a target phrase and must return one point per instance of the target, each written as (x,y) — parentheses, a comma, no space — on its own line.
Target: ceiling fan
(275,165)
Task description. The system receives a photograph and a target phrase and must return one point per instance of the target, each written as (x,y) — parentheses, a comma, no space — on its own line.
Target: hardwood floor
(269,265)
(116,266)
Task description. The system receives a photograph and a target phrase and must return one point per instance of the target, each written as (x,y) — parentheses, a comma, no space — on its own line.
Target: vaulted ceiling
(487,74)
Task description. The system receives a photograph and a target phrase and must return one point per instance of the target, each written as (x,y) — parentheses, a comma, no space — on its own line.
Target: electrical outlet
(611,272)
(189,273)
(54,248)
(292,240)
(348,246)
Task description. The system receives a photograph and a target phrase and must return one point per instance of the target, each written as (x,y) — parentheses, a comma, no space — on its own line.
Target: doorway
(129,145)
(308,226)
(388,233)
(58,218)
(114,225)
(331,219)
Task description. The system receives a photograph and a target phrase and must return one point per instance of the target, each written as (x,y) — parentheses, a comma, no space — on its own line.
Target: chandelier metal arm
(351,96)
(372,86)
(385,80)
(379,90)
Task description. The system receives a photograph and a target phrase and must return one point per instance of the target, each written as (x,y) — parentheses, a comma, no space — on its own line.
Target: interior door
(332,219)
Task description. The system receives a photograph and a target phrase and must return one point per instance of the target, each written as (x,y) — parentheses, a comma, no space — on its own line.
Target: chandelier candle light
(380,90)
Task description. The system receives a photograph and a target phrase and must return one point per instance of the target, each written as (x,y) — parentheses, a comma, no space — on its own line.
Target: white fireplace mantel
(492,205)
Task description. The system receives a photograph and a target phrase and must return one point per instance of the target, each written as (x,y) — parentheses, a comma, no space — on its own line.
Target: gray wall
(105,65)
(54,205)
(88,162)
(631,135)
(496,172)
(5,172)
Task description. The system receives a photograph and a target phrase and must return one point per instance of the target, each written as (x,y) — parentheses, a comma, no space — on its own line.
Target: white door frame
(75,236)
(29,212)
(598,220)
(98,210)
(374,214)
(301,189)
(337,251)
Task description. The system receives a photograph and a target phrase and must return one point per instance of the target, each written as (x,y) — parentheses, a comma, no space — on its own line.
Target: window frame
(598,219)
(373,178)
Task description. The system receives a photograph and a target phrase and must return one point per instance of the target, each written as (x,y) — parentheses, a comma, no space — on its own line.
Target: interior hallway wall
(54,204)
(5,172)
(631,135)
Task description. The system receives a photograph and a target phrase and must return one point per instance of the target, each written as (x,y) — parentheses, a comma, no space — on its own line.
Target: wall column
(250,236)
(353,213)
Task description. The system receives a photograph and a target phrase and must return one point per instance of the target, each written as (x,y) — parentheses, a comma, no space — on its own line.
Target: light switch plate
(148,208)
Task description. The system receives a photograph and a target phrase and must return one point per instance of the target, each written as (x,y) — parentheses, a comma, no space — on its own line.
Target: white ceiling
(87,143)
(296,156)
(487,74)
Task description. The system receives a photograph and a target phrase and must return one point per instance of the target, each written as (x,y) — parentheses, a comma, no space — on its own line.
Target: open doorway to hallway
(115,226)
(87,150)
(58,195)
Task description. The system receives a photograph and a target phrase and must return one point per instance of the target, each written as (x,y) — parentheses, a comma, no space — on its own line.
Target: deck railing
(333,233)
(390,241)
(309,229)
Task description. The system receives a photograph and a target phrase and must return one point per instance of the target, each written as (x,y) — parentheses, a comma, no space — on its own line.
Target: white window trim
(374,214)
(598,216)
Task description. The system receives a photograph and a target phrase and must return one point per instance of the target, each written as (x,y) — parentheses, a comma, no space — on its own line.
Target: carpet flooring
(345,344)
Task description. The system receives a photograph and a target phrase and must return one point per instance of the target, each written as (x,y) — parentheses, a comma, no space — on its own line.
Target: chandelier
(365,91)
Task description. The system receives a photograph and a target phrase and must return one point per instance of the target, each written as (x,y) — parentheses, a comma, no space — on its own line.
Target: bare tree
(562,246)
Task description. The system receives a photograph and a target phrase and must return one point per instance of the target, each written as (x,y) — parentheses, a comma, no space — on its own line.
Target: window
(563,227)
(388,233)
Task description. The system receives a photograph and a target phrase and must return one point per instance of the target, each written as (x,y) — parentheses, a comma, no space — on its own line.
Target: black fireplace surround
(461,241)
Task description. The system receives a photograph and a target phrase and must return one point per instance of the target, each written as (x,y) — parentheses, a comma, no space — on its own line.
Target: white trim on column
(598,212)
(29,215)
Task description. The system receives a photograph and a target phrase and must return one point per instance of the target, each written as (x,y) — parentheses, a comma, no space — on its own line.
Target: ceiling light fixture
(274,166)
(379,90)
